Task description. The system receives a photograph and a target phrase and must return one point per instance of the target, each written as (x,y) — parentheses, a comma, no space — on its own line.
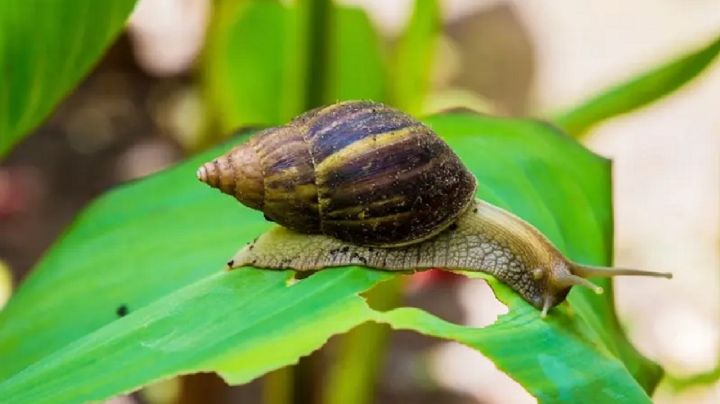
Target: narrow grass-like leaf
(356,67)
(413,56)
(46,47)
(253,75)
(637,92)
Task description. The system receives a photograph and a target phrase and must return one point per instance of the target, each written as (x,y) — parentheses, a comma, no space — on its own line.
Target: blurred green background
(184,74)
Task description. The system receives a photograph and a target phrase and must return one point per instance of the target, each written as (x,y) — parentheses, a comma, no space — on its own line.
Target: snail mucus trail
(360,183)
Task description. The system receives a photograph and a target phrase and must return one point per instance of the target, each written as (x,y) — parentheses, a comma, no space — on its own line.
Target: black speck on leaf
(122,310)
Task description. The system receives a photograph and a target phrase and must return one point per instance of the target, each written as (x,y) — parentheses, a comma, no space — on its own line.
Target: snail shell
(358,171)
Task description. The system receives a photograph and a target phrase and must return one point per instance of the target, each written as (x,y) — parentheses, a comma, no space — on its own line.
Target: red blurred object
(18,188)
(433,277)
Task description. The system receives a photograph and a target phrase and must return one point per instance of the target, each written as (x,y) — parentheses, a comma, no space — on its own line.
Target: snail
(360,183)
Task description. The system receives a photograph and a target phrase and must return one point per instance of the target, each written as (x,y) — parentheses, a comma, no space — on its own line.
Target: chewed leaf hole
(479,304)
(450,296)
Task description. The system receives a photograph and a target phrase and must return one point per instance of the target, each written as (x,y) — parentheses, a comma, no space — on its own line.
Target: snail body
(359,183)
(485,238)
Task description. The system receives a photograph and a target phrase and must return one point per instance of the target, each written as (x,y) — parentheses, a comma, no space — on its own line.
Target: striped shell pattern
(358,171)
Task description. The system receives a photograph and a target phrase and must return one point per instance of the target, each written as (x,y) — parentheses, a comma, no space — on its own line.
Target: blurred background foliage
(50,59)
(188,73)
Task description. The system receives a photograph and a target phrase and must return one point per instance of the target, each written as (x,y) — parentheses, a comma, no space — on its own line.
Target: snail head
(563,275)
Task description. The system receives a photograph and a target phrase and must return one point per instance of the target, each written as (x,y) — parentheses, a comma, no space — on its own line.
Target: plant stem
(354,376)
(319,23)
(680,383)
(278,386)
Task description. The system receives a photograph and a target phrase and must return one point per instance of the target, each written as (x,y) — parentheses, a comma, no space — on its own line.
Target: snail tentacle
(590,271)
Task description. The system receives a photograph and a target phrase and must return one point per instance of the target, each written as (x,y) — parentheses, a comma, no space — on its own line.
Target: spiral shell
(358,171)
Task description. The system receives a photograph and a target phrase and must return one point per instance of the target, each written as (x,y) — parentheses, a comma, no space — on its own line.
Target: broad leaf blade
(561,346)
(537,172)
(46,47)
(251,323)
(637,92)
(130,247)
(158,244)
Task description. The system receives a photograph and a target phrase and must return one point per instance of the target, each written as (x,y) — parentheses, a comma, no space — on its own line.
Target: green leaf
(637,92)
(356,66)
(550,358)
(258,59)
(157,247)
(537,172)
(46,47)
(414,54)
(253,64)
